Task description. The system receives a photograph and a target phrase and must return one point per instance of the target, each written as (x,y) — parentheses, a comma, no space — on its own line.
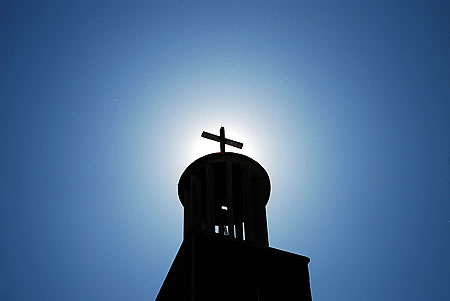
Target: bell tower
(225,254)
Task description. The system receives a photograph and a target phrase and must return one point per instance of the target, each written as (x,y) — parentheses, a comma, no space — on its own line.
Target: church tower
(225,254)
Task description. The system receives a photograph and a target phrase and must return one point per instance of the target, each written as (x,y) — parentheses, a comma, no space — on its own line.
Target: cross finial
(222,140)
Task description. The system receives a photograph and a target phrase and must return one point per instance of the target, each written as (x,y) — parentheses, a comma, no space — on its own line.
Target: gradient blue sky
(345,103)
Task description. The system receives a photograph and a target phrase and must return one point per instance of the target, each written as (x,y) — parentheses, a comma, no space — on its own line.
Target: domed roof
(238,161)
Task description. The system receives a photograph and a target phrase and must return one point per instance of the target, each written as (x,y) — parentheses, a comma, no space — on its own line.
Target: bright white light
(171,135)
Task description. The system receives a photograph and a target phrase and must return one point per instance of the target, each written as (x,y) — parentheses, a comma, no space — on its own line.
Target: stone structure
(225,254)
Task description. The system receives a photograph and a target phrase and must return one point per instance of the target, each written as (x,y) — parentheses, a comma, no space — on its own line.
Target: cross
(222,140)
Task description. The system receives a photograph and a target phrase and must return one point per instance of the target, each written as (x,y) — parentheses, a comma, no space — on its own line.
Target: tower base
(213,267)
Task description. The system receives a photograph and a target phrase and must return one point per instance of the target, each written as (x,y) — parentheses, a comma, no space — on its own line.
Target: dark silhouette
(225,254)
(222,140)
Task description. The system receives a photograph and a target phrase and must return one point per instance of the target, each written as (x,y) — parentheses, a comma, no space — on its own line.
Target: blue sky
(345,103)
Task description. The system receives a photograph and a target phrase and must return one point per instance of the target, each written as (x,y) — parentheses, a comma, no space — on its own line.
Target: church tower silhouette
(225,254)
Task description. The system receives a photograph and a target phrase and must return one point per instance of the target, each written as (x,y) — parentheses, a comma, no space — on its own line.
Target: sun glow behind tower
(249,106)
(182,142)
(346,106)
